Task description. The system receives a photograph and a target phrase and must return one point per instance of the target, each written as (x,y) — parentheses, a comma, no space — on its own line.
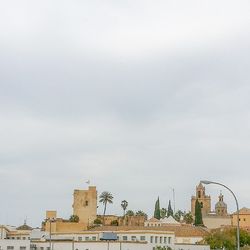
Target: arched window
(199,194)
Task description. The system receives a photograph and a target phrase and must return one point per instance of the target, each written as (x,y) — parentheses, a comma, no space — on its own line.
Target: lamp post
(206,182)
(50,221)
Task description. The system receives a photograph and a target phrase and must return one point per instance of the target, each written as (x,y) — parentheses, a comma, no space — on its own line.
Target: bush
(114,223)
(74,218)
(97,221)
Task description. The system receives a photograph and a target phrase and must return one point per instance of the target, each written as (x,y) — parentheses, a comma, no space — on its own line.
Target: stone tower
(205,200)
(85,205)
(221,207)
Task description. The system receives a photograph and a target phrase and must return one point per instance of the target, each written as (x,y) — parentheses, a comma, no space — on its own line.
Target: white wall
(188,240)
(15,243)
(130,235)
(3,232)
(191,247)
(99,245)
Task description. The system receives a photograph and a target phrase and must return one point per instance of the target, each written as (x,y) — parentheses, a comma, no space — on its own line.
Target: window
(86,238)
(33,247)
(22,248)
(94,238)
(151,239)
(41,248)
(199,194)
(160,240)
(156,239)
(244,219)
(10,247)
(142,238)
(169,240)
(86,203)
(24,238)
(79,238)
(165,240)
(18,238)
(133,238)
(125,238)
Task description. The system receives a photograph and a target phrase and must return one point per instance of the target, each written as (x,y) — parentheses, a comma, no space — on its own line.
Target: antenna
(174,199)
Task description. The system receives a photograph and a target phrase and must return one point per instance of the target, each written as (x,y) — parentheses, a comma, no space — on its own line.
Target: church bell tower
(204,200)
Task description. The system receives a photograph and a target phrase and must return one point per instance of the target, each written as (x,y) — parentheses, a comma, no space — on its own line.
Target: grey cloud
(126,102)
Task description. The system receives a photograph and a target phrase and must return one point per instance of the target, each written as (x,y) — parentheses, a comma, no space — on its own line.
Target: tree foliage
(162,248)
(163,213)
(130,213)
(114,223)
(98,221)
(74,218)
(105,198)
(141,213)
(157,212)
(188,218)
(178,215)
(124,205)
(226,238)
(170,210)
(198,215)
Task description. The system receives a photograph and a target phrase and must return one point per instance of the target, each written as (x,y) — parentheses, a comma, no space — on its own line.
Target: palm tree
(105,197)
(124,205)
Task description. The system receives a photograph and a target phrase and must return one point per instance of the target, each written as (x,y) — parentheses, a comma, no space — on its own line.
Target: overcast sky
(137,96)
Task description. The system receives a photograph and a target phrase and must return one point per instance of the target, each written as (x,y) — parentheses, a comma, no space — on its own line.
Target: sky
(138,96)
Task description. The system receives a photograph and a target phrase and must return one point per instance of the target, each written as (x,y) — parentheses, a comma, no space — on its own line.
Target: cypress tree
(170,210)
(198,215)
(157,213)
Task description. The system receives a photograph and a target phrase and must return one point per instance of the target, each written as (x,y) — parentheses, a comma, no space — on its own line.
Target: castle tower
(85,205)
(205,200)
(221,207)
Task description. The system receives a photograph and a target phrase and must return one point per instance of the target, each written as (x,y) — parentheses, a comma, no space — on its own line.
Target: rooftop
(179,230)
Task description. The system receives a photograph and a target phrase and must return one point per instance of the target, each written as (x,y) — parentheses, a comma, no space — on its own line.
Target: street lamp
(50,221)
(206,182)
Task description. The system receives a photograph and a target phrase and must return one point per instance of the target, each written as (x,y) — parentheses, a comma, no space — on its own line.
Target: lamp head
(206,182)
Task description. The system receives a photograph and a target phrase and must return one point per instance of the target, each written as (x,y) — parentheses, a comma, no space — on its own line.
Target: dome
(220,204)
